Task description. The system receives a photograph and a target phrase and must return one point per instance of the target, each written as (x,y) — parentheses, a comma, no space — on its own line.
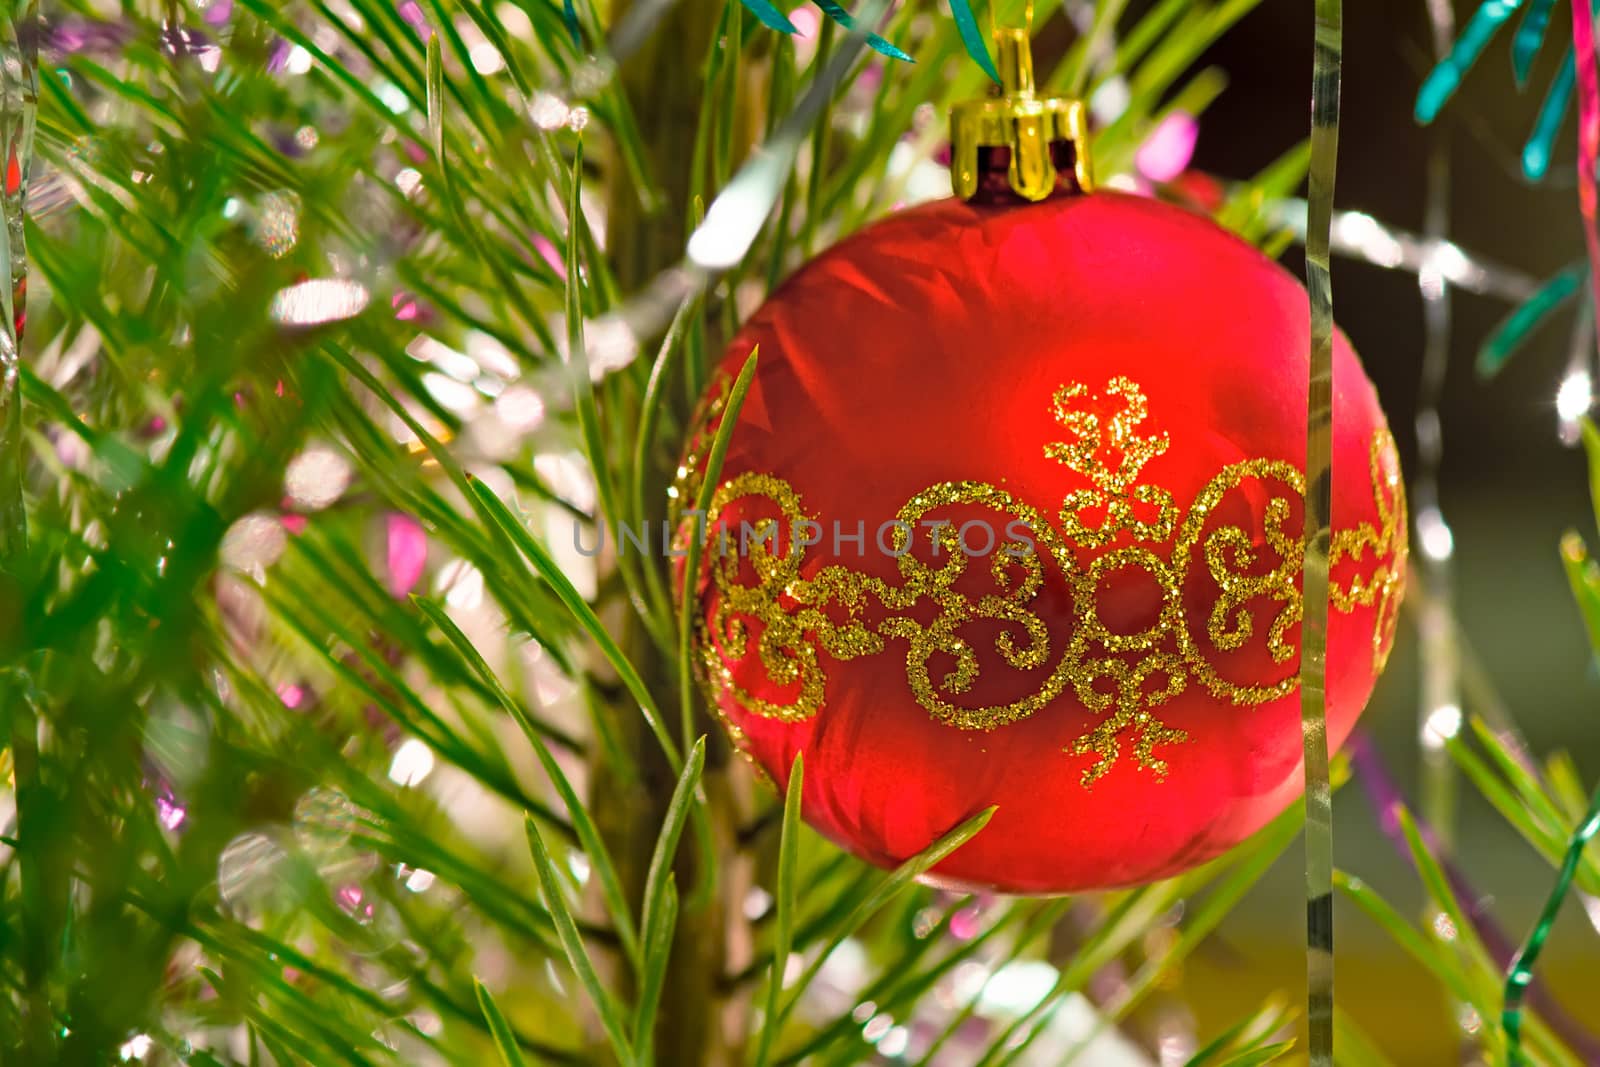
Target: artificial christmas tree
(328,737)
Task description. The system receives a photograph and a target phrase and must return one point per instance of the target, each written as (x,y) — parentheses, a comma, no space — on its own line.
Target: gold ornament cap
(1040,143)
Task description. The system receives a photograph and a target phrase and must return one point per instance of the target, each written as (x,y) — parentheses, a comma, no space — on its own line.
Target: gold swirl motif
(1115,490)
(1122,677)
(1390,545)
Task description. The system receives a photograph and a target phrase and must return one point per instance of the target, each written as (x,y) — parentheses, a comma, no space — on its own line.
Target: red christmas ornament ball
(1012,516)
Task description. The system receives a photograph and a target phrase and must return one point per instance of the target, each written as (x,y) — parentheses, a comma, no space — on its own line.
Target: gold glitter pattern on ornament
(1215,590)
(1389,543)
(1115,489)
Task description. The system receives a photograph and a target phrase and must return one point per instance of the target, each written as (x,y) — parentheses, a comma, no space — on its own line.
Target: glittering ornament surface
(1013,516)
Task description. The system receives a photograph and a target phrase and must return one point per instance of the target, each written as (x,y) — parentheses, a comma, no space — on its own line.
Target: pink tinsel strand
(1166,153)
(407,553)
(1588,133)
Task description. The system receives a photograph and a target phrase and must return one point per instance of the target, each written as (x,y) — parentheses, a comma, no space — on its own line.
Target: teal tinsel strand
(1552,113)
(972,37)
(1521,972)
(837,13)
(1442,83)
(769,16)
(1530,35)
(1515,328)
